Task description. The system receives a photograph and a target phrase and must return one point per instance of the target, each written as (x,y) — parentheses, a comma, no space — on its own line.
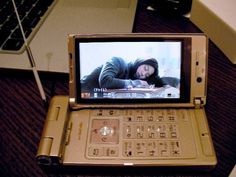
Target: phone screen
(116,70)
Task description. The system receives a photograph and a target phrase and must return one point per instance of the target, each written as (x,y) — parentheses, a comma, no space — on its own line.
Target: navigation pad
(105,131)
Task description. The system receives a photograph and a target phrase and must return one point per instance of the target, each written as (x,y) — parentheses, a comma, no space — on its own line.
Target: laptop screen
(139,69)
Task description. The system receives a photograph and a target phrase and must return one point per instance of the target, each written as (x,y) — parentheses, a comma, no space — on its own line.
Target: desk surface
(22,113)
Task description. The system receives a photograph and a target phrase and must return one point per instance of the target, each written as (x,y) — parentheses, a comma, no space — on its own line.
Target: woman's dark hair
(154,79)
(151,61)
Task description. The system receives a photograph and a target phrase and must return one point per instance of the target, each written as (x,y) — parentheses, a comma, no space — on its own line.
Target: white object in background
(216,18)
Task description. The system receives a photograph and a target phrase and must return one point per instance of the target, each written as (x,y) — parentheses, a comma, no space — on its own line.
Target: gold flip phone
(134,100)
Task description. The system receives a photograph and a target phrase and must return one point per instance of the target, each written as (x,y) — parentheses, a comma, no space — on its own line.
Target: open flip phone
(160,125)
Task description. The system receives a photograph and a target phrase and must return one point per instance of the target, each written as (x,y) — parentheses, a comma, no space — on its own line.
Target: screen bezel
(185,75)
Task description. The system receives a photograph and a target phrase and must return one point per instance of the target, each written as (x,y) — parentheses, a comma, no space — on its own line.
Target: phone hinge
(199,102)
(51,145)
(46,144)
(72,102)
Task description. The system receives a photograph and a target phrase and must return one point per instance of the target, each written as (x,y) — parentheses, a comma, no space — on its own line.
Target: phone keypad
(145,133)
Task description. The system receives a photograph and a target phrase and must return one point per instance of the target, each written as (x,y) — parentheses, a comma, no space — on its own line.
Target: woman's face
(144,71)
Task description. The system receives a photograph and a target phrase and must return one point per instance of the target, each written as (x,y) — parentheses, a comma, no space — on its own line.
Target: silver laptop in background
(48,38)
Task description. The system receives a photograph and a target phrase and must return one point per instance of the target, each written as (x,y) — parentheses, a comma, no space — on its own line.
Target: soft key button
(106,112)
(111,151)
(103,151)
(95,151)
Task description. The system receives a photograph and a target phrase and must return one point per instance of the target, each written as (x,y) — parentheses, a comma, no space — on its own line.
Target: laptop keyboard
(131,133)
(31,12)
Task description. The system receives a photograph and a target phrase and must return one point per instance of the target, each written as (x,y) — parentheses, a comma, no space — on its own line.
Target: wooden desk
(22,113)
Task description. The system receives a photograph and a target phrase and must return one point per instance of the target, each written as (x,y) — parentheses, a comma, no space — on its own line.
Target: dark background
(22,112)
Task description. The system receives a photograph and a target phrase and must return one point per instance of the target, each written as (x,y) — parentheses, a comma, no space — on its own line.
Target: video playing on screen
(124,70)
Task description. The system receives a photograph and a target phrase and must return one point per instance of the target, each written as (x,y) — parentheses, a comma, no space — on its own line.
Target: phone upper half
(137,70)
